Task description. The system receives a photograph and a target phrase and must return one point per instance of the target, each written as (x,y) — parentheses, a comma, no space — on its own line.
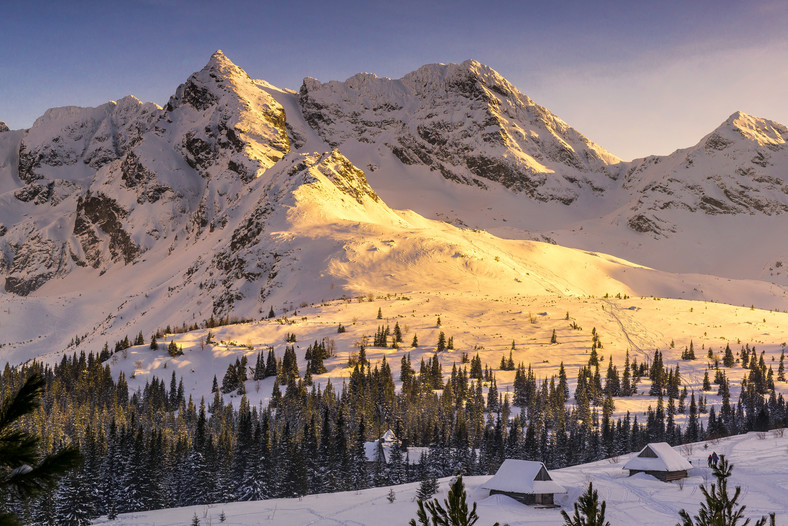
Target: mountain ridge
(231,196)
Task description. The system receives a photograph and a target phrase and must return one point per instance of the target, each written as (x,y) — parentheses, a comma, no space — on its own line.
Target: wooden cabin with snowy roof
(526,481)
(659,460)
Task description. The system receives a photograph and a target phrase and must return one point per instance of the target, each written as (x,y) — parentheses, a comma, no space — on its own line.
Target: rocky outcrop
(35,261)
(100,217)
(3,127)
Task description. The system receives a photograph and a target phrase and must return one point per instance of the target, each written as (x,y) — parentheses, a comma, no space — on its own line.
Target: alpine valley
(242,219)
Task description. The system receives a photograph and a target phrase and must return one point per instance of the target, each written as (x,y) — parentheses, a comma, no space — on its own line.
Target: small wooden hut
(524,480)
(659,460)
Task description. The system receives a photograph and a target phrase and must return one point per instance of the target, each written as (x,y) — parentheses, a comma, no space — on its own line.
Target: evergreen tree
(728,359)
(74,501)
(23,473)
(427,488)
(397,333)
(441,342)
(588,510)
(173,349)
(719,508)
(455,513)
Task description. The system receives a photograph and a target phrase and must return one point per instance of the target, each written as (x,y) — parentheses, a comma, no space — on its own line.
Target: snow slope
(759,465)
(231,200)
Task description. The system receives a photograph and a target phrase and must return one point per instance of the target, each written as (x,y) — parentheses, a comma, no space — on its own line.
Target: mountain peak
(221,66)
(460,77)
(756,129)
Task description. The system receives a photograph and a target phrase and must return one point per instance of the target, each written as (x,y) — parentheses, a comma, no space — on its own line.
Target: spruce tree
(427,488)
(441,342)
(74,501)
(588,510)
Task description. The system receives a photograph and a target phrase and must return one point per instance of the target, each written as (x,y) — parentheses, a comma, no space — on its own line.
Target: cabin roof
(523,476)
(658,456)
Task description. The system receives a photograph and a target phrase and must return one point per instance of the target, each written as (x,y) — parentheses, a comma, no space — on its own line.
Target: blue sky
(636,77)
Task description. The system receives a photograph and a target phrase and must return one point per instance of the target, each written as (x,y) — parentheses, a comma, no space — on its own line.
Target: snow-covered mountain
(238,195)
(466,122)
(739,168)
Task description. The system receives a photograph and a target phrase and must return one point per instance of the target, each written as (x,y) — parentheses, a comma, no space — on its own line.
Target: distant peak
(3,127)
(762,131)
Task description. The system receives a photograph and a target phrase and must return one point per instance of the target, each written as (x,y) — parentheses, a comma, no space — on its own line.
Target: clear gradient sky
(636,77)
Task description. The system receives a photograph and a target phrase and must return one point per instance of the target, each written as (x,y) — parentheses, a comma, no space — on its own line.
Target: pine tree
(455,513)
(728,359)
(441,342)
(74,501)
(415,342)
(380,313)
(427,488)
(173,349)
(19,449)
(553,338)
(397,333)
(588,510)
(719,508)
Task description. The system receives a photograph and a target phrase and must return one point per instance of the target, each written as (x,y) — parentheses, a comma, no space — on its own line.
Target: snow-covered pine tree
(427,488)
(75,501)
